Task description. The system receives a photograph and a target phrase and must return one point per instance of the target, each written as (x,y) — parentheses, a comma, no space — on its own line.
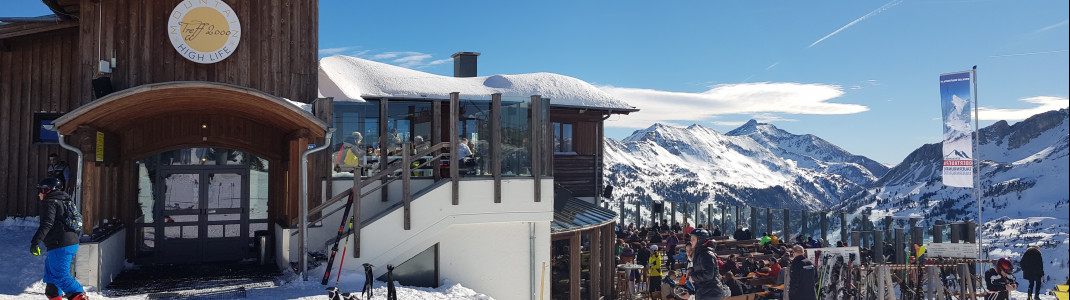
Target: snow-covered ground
(20,276)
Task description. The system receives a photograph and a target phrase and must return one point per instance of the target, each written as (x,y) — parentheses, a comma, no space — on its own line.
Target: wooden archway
(148,119)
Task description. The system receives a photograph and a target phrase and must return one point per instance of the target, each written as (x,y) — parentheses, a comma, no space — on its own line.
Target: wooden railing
(403,164)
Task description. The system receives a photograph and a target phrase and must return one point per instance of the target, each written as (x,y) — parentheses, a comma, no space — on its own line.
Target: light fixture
(204,125)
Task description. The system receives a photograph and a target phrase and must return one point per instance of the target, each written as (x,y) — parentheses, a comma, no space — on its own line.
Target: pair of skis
(334,249)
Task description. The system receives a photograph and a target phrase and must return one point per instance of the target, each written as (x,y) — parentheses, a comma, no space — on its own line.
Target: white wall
(483,245)
(494,259)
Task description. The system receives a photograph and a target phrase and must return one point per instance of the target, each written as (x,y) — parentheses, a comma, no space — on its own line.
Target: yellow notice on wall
(100,146)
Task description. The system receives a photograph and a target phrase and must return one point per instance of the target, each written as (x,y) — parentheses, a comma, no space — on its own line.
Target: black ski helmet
(50,184)
(701,234)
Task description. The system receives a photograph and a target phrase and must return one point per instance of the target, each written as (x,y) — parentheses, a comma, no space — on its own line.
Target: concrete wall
(97,263)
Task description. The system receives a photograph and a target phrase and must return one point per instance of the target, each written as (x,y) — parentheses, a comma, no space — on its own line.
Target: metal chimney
(464,64)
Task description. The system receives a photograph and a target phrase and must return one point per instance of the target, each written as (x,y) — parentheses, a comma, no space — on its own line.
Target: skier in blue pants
(62,243)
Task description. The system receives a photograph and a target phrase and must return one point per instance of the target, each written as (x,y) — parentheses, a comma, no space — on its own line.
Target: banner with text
(958,133)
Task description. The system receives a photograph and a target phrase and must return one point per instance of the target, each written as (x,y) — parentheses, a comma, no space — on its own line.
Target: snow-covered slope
(1024,176)
(812,152)
(756,164)
(351,78)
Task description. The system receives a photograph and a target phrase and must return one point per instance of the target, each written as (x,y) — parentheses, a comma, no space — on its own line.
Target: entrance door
(203,214)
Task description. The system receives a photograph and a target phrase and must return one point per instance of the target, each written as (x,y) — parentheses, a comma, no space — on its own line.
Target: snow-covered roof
(355,79)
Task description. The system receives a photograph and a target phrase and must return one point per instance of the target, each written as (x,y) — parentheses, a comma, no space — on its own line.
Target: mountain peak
(753,126)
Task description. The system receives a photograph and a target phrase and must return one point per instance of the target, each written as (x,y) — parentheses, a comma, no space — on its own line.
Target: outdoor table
(627,273)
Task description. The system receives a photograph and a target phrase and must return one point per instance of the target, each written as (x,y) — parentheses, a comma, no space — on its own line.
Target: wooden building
(124,81)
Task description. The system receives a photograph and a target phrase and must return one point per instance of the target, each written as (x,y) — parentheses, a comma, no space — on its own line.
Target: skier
(655,270)
(62,244)
(703,271)
(999,281)
(1033,270)
(803,273)
(58,169)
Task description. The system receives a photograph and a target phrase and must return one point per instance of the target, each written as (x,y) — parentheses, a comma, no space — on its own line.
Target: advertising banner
(958,133)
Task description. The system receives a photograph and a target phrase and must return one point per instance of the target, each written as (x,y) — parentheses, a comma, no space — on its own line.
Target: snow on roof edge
(354,79)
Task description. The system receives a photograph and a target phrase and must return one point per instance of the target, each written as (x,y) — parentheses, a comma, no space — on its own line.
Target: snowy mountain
(1024,171)
(757,164)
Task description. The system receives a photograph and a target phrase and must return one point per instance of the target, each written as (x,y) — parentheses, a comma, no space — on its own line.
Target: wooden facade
(580,173)
(35,72)
(49,68)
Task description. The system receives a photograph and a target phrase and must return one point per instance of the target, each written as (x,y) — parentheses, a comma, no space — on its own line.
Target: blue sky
(860,74)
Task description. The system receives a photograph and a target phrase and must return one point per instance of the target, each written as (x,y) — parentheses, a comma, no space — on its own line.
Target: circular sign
(204,31)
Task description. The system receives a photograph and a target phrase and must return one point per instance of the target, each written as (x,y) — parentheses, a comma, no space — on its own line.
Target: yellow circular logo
(204,31)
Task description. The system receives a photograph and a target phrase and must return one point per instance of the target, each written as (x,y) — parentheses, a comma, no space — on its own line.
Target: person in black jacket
(1033,270)
(999,281)
(704,273)
(803,275)
(62,244)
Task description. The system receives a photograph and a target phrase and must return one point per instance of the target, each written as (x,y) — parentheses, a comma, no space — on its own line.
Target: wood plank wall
(52,72)
(581,172)
(35,75)
(277,53)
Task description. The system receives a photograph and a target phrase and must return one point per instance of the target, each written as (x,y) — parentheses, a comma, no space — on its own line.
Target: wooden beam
(454,161)
(358,223)
(535,141)
(496,144)
(436,136)
(384,151)
(406,174)
(574,266)
(16,30)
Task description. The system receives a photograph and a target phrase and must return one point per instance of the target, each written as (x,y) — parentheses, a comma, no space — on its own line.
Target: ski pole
(344,247)
(334,249)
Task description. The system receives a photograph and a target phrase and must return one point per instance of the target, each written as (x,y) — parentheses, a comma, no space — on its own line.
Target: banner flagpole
(977,157)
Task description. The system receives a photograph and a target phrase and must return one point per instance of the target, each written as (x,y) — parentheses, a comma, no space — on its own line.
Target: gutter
(303,219)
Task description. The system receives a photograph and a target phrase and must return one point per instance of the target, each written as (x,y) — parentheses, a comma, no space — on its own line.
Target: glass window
(358,135)
(563,138)
(516,138)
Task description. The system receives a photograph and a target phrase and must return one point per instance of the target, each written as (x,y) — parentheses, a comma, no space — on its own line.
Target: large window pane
(516,138)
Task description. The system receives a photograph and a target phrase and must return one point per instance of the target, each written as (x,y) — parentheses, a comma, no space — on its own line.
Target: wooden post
(536,140)
(357,220)
(454,160)
(436,137)
(384,150)
(595,261)
(574,265)
(496,144)
(406,175)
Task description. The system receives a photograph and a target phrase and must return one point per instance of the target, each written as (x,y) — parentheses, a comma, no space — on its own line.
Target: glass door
(203,214)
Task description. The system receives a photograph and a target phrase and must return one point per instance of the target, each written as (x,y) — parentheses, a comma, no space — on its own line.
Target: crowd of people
(694,270)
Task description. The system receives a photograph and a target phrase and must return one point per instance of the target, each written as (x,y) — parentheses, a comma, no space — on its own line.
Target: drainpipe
(303,219)
(77,194)
(531,230)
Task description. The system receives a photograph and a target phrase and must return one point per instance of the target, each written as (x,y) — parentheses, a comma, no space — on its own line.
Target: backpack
(72,220)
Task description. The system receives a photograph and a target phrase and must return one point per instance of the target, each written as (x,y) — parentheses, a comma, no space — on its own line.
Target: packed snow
(351,78)
(20,276)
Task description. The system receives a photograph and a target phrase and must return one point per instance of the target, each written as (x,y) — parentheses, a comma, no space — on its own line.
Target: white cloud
(333,51)
(760,99)
(870,14)
(1056,25)
(407,59)
(1043,104)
